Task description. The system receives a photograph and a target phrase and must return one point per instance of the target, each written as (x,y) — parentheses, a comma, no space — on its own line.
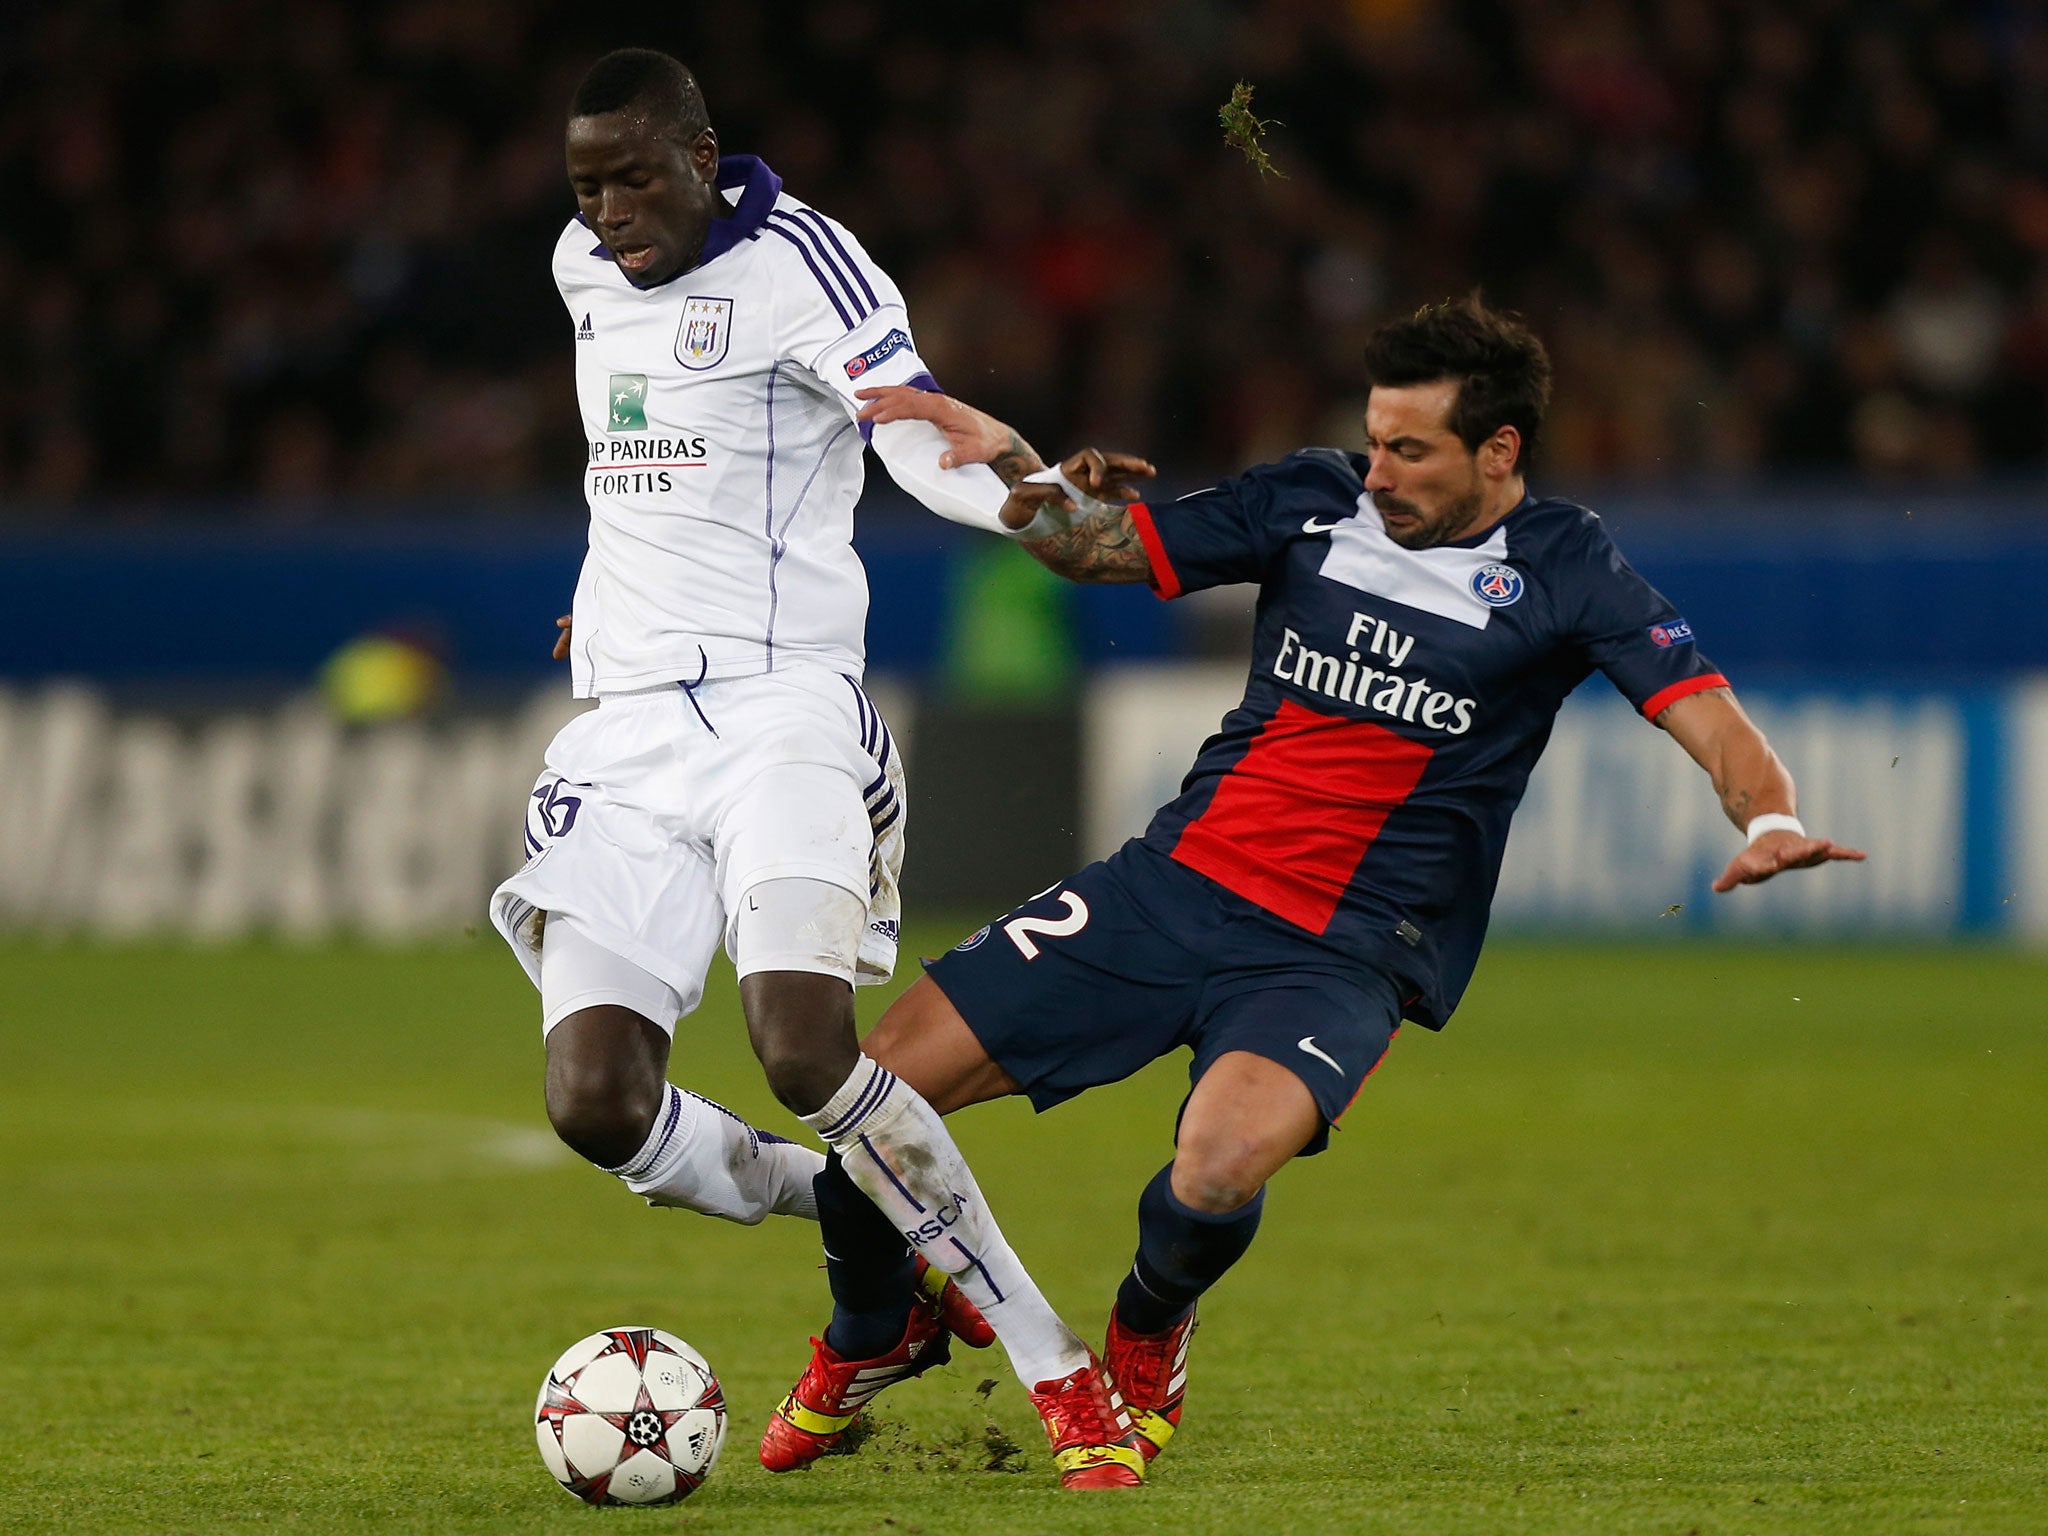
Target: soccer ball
(630,1416)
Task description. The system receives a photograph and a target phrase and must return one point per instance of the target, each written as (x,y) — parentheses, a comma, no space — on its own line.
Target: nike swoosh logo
(1308,1043)
(1314,526)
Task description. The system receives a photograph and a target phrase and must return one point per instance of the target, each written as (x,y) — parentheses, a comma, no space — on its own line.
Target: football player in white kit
(735,787)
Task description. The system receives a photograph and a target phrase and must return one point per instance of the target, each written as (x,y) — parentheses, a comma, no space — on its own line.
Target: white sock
(703,1157)
(901,1155)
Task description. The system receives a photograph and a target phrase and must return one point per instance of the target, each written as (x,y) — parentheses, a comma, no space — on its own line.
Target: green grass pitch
(1663,1239)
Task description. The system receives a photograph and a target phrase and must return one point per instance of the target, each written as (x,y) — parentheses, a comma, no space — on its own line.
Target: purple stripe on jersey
(812,479)
(846,280)
(815,253)
(776,547)
(888,821)
(769,520)
(817,220)
(805,252)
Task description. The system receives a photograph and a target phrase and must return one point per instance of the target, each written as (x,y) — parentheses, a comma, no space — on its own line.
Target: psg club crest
(1497,585)
(705,334)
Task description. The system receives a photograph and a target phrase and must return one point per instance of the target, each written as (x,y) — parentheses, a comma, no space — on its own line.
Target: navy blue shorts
(1137,956)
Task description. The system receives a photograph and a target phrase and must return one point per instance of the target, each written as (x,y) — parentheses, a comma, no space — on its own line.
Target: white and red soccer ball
(630,1416)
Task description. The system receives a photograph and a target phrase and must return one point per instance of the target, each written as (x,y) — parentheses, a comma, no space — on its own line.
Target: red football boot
(1151,1370)
(962,1318)
(832,1391)
(1093,1443)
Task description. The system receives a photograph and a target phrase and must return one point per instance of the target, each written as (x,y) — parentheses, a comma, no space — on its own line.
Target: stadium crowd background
(277,255)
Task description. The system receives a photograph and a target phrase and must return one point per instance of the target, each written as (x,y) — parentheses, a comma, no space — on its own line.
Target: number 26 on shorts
(1019,930)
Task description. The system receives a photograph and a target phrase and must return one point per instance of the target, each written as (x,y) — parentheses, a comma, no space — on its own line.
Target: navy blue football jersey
(1360,794)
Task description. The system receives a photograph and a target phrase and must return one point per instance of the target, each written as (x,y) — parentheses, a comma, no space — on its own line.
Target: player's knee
(1218,1174)
(802,1029)
(802,1079)
(602,1112)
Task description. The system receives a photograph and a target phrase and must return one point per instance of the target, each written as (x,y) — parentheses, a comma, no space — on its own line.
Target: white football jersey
(724,458)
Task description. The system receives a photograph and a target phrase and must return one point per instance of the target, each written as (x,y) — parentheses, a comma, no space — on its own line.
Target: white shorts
(659,810)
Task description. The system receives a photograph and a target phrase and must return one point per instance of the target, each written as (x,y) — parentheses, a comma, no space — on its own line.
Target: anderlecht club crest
(705,333)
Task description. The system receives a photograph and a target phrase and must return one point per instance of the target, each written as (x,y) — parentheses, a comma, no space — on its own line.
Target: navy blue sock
(868,1265)
(1181,1253)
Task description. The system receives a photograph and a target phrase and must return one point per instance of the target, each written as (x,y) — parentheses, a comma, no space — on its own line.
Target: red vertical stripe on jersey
(1165,581)
(1291,821)
(1664,698)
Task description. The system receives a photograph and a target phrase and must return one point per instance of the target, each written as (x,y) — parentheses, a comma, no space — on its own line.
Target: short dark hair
(651,84)
(1503,373)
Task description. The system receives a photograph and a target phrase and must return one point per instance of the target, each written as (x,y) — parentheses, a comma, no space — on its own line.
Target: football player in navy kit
(1326,870)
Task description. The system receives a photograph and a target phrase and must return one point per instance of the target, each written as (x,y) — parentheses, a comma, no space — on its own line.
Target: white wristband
(1772,821)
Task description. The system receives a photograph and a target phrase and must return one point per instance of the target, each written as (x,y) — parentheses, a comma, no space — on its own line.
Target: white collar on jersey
(1444,581)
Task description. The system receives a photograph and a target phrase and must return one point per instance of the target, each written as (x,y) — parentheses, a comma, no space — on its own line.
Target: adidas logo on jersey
(584,331)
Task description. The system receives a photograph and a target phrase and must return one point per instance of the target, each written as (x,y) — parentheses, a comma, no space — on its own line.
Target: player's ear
(1502,452)
(704,155)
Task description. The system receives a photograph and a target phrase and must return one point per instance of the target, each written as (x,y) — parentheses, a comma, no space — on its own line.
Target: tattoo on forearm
(1017,460)
(1104,547)
(1736,803)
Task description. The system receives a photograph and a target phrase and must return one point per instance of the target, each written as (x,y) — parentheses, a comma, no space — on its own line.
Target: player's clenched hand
(972,437)
(565,623)
(1105,476)
(1778,851)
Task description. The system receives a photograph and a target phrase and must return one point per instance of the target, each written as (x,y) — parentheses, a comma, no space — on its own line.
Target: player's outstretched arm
(1100,546)
(1102,543)
(1752,783)
(972,437)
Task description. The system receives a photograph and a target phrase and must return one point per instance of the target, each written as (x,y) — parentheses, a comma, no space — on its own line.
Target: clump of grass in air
(1243,129)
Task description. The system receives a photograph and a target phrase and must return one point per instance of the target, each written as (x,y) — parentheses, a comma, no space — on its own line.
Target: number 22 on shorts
(1020,929)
